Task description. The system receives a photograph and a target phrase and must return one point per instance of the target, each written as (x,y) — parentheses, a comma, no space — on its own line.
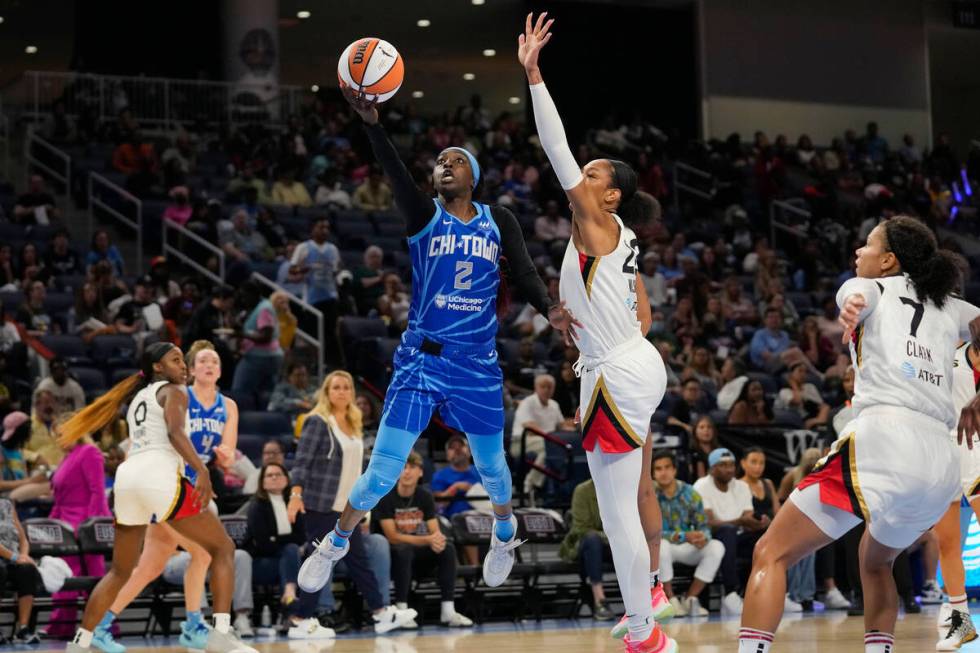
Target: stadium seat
(72,348)
(264,423)
(96,535)
(120,373)
(114,351)
(56,538)
(58,303)
(236,526)
(11,300)
(91,379)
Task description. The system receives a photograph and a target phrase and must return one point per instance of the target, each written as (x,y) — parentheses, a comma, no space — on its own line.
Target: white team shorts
(969,467)
(893,467)
(619,394)
(150,488)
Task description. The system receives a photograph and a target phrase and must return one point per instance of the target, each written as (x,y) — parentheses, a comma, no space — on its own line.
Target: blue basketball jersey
(455,276)
(206,424)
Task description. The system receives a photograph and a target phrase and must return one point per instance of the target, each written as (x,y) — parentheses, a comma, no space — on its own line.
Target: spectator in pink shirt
(262,356)
(180,211)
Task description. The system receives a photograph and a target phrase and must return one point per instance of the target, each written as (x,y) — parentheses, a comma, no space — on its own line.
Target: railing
(180,250)
(524,466)
(157,102)
(110,198)
(54,163)
(691,180)
(315,341)
(785,217)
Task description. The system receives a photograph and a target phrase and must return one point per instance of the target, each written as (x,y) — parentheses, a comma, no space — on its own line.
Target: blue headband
(474,166)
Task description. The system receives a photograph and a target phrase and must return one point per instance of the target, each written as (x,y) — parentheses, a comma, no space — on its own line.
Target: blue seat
(71,348)
(11,300)
(58,303)
(120,373)
(250,444)
(91,379)
(264,423)
(112,351)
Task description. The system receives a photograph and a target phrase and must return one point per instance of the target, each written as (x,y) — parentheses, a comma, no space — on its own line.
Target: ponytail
(101,411)
(935,273)
(635,207)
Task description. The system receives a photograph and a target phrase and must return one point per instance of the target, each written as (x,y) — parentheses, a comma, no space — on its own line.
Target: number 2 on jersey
(628,267)
(464,269)
(916,316)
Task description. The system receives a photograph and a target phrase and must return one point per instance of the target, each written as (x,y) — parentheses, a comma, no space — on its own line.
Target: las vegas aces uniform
(894,466)
(966,384)
(623,375)
(149,485)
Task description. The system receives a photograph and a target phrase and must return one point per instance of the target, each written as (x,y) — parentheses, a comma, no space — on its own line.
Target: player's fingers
(576,322)
(528,26)
(545,40)
(547,27)
(540,22)
(520,40)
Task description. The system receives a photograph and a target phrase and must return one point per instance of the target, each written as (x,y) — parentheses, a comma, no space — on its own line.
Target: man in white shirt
(539,411)
(68,393)
(728,505)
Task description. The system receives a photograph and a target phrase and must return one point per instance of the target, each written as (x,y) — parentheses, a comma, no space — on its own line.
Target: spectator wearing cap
(369,280)
(61,259)
(539,411)
(406,516)
(19,570)
(179,211)
(37,205)
(451,483)
(373,194)
(104,250)
(68,393)
(728,506)
(13,463)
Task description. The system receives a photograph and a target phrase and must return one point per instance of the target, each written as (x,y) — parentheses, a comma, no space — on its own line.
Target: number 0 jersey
(147,426)
(455,277)
(903,349)
(205,426)
(600,291)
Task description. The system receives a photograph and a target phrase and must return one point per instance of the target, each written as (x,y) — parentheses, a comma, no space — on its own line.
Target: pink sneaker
(663,611)
(657,642)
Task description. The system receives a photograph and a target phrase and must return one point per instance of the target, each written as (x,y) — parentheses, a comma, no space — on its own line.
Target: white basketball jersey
(600,291)
(903,349)
(966,378)
(147,426)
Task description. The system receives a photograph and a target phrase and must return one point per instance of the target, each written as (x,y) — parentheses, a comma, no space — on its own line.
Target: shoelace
(510,546)
(955,623)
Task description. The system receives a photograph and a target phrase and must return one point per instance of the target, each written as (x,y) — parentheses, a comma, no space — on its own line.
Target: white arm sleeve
(867,288)
(552,136)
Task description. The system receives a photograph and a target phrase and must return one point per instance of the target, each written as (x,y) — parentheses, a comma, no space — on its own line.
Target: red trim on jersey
(587,266)
(602,427)
(185,506)
(835,482)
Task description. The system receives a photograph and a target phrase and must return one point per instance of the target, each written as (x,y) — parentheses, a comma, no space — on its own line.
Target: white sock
(222,622)
(751,640)
(878,642)
(448,610)
(654,578)
(640,627)
(960,603)
(401,606)
(83,638)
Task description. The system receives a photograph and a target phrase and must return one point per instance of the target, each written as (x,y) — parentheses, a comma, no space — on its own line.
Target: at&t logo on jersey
(458,303)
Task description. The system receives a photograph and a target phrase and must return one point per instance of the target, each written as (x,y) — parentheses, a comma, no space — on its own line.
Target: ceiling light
(489,52)
(1,19)
(418,94)
(469,77)
(303,14)
(514,100)
(479,2)
(314,88)
(31,49)
(423,22)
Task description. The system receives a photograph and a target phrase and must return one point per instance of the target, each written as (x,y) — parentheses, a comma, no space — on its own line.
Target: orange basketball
(373,67)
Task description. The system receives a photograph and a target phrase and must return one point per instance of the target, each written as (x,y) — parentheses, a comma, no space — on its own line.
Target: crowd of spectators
(746,326)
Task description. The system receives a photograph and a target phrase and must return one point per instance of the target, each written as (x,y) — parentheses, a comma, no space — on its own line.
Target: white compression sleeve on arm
(552,136)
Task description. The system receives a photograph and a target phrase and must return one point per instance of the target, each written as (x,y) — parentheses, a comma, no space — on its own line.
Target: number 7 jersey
(903,349)
(600,291)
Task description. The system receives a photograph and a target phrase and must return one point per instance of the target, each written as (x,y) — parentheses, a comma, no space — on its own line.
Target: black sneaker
(911,607)
(334,620)
(807,605)
(26,636)
(602,612)
(857,607)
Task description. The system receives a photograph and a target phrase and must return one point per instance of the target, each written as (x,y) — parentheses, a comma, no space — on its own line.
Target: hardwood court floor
(831,633)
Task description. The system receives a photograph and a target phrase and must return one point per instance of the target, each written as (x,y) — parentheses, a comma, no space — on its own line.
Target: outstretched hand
(561,319)
(534,38)
(366,109)
(969,423)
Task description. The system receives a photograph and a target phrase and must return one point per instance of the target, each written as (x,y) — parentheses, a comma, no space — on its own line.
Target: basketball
(373,67)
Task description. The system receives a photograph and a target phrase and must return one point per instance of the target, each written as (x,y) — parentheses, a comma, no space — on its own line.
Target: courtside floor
(830,632)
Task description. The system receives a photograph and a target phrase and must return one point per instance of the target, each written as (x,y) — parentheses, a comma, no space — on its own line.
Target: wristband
(14,556)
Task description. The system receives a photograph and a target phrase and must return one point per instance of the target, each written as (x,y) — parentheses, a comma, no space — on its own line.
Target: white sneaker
(243,626)
(693,607)
(731,604)
(315,572)
(457,620)
(789,605)
(960,631)
(679,609)
(391,618)
(500,558)
(834,600)
(942,620)
(931,595)
(226,643)
(310,629)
